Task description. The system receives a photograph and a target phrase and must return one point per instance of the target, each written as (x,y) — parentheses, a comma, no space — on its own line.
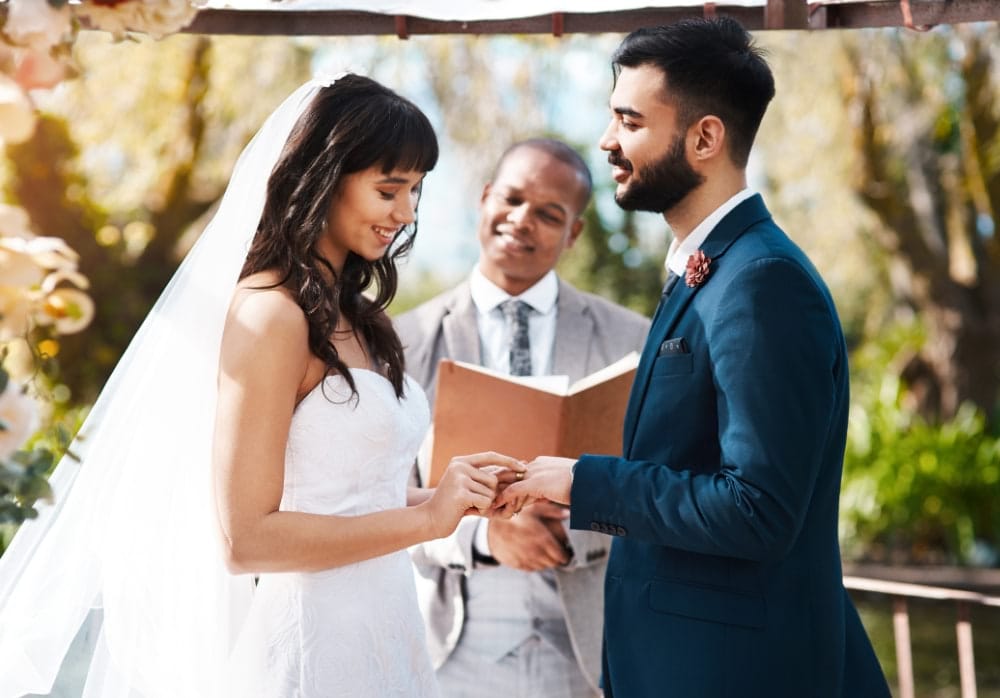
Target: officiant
(514,607)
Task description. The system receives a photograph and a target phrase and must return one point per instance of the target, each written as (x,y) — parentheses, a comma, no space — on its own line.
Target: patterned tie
(516,314)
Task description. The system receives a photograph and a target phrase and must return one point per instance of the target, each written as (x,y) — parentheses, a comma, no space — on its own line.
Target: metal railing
(900,592)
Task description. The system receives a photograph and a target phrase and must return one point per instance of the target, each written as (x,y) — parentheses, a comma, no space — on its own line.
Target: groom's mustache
(615,159)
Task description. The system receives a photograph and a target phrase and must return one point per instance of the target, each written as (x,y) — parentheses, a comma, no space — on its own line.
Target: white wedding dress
(354,630)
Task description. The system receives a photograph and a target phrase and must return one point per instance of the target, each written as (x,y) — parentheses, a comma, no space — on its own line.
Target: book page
(627,363)
(557,385)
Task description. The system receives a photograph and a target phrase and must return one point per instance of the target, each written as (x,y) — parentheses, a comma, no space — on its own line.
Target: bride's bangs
(408,142)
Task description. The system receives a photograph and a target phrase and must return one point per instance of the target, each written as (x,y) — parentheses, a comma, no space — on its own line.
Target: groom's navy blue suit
(724,579)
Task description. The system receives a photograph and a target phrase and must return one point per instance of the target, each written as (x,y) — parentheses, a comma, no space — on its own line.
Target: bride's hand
(468,485)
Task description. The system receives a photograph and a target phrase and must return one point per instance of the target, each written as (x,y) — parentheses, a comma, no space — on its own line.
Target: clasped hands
(499,486)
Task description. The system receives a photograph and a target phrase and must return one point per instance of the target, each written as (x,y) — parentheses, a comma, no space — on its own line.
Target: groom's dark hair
(710,66)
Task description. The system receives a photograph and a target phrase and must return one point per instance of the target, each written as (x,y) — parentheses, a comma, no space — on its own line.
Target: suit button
(456,566)
(621,531)
(605,528)
(594,526)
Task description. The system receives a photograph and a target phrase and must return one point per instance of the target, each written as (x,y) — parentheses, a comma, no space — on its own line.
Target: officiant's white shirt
(494,337)
(506,607)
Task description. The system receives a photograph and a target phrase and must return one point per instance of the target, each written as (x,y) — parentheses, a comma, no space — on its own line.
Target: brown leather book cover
(477,410)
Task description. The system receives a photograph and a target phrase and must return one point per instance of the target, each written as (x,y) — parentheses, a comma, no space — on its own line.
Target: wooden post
(786,14)
(966,658)
(904,656)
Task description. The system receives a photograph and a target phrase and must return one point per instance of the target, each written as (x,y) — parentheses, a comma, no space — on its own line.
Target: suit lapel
(574,332)
(666,315)
(728,230)
(460,329)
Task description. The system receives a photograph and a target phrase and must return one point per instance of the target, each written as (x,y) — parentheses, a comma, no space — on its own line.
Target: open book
(477,410)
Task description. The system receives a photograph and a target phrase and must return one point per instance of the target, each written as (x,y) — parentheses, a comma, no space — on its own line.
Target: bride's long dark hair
(350,126)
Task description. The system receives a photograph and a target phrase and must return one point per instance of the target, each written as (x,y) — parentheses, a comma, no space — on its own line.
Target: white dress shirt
(494,335)
(677,255)
(506,607)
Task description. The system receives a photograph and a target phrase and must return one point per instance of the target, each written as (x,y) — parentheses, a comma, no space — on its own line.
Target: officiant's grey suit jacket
(591,333)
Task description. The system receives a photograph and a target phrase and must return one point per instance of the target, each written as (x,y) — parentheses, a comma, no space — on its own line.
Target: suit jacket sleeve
(589,549)
(452,553)
(773,349)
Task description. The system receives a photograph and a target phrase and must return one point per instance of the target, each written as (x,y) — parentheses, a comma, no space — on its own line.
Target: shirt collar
(487,295)
(677,255)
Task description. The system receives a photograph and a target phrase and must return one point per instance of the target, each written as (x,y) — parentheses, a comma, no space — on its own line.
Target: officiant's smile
(530,213)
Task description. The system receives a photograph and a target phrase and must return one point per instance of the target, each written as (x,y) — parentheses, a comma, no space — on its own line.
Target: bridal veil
(128,555)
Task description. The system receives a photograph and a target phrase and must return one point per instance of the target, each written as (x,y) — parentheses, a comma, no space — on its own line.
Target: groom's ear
(707,138)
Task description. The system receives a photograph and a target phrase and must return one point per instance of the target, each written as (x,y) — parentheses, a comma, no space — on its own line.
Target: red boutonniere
(697,269)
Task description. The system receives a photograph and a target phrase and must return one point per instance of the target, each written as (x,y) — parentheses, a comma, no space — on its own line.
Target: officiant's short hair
(562,152)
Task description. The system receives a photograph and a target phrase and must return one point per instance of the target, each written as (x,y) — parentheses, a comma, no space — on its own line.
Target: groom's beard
(660,186)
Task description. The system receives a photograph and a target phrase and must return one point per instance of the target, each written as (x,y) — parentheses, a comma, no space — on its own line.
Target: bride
(263,399)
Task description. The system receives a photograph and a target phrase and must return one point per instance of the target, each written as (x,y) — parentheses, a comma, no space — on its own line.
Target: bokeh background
(880,156)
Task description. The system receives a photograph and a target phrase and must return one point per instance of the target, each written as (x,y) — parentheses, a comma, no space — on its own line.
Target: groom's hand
(531,541)
(546,477)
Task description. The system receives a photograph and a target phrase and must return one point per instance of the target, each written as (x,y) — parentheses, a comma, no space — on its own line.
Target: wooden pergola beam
(859,15)
(786,14)
(777,14)
(353,23)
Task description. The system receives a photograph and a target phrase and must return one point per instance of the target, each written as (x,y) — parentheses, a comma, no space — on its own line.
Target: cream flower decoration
(37,25)
(68,309)
(158,18)
(17,113)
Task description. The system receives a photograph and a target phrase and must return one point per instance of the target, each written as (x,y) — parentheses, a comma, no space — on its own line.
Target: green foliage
(614,264)
(915,491)
(23,483)
(24,473)
(415,287)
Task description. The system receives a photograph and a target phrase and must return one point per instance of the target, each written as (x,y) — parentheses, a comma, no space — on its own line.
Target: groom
(724,578)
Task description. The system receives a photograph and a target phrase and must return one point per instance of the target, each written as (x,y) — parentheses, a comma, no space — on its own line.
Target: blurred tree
(126,170)
(801,166)
(927,137)
(913,491)
(490,94)
(614,264)
(493,92)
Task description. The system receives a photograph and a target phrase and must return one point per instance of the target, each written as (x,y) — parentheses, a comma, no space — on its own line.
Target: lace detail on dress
(354,630)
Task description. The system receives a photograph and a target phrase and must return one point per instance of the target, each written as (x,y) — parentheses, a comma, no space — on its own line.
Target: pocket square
(677,345)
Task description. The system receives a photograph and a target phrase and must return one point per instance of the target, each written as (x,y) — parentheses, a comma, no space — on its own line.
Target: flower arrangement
(36,37)
(158,18)
(42,294)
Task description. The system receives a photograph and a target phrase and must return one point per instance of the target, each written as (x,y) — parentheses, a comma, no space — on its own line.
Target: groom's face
(646,146)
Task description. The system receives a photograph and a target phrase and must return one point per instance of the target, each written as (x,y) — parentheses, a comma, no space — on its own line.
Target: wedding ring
(519,476)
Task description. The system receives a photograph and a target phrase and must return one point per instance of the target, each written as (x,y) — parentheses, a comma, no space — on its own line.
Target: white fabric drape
(133,530)
(466,10)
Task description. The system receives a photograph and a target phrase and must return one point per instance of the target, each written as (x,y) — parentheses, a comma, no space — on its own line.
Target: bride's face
(368,211)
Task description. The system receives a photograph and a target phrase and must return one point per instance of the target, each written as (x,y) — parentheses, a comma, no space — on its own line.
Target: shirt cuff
(481,543)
